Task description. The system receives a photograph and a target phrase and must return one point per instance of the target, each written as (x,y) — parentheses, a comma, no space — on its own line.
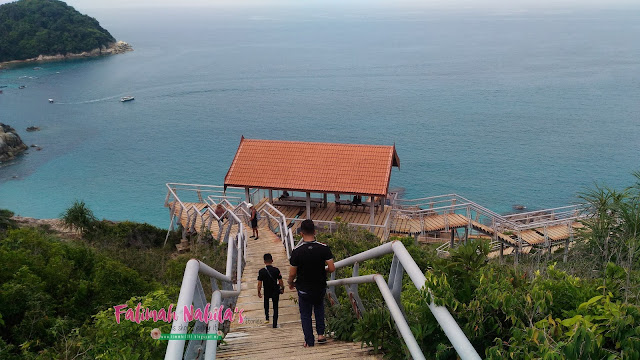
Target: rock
(10,143)
(118,47)
(33,128)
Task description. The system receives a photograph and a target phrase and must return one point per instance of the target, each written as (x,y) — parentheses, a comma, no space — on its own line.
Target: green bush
(6,222)
(128,234)
(50,284)
(505,311)
(341,320)
(78,217)
(106,339)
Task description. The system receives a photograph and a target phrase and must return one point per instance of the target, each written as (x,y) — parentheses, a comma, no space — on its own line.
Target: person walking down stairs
(270,278)
(308,262)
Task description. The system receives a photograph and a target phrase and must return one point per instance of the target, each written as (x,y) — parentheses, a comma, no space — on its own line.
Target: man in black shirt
(307,268)
(272,279)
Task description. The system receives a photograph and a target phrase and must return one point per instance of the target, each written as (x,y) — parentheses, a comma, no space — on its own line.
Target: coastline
(54,225)
(118,47)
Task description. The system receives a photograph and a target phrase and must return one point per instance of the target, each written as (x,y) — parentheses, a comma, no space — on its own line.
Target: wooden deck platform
(432,223)
(489,231)
(402,225)
(355,216)
(255,340)
(555,233)
(184,218)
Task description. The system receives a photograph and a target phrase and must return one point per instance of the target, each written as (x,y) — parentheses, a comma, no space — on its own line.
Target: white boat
(50,101)
(126,98)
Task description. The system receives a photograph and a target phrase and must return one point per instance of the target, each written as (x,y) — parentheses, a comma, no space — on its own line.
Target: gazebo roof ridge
(320,167)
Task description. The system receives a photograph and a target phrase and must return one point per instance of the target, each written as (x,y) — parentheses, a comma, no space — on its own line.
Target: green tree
(29,28)
(78,217)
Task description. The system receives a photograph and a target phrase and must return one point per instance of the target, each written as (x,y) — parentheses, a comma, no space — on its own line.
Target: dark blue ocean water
(525,108)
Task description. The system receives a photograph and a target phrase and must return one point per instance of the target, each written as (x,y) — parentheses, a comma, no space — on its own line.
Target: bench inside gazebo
(319,181)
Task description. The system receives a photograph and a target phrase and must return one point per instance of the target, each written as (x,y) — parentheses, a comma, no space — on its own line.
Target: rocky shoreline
(54,225)
(11,145)
(118,47)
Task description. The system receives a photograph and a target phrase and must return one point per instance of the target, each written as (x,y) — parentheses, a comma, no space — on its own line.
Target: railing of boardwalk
(192,293)
(494,224)
(332,226)
(391,290)
(446,206)
(277,223)
(196,193)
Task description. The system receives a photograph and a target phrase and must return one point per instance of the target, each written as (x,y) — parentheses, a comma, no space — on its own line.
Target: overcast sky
(444,4)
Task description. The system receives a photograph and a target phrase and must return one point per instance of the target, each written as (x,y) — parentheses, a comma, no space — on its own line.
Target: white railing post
(175,348)
(451,329)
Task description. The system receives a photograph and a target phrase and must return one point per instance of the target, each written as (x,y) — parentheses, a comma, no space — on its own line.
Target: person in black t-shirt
(307,268)
(272,279)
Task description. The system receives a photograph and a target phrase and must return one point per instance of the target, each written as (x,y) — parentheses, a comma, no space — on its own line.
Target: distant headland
(43,30)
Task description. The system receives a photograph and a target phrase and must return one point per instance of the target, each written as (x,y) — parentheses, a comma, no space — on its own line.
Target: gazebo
(313,167)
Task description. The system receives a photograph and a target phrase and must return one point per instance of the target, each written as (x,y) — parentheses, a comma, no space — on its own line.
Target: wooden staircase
(256,340)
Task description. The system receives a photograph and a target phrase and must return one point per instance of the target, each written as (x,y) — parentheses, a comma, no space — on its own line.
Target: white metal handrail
(402,261)
(190,283)
(205,190)
(285,236)
(443,248)
(567,208)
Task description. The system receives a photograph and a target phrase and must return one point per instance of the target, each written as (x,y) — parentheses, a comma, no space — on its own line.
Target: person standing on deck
(272,279)
(254,221)
(219,211)
(308,261)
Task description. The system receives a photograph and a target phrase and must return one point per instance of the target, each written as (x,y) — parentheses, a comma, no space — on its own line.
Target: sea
(502,107)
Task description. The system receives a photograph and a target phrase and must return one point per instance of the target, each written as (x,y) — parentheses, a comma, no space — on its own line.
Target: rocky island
(41,30)
(10,143)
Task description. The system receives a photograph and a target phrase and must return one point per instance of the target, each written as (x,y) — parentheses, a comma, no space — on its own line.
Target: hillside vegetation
(29,28)
(57,294)
(543,308)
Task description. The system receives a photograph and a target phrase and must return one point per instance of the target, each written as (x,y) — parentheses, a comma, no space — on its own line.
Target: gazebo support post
(372,209)
(270,196)
(324,200)
(308,205)
(246,193)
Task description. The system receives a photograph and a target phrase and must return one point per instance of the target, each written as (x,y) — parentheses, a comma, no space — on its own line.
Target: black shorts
(254,223)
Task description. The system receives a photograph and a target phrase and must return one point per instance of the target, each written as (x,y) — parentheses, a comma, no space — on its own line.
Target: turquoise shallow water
(503,109)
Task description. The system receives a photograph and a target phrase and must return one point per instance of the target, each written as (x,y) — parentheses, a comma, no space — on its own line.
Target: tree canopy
(29,28)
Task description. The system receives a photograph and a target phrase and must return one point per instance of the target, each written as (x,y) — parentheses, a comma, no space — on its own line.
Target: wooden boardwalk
(432,223)
(437,223)
(402,225)
(355,215)
(555,233)
(256,340)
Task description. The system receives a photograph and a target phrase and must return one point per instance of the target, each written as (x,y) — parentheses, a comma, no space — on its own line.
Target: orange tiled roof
(313,167)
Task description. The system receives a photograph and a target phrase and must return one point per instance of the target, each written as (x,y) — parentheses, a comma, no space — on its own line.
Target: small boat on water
(50,101)
(126,98)
(21,87)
